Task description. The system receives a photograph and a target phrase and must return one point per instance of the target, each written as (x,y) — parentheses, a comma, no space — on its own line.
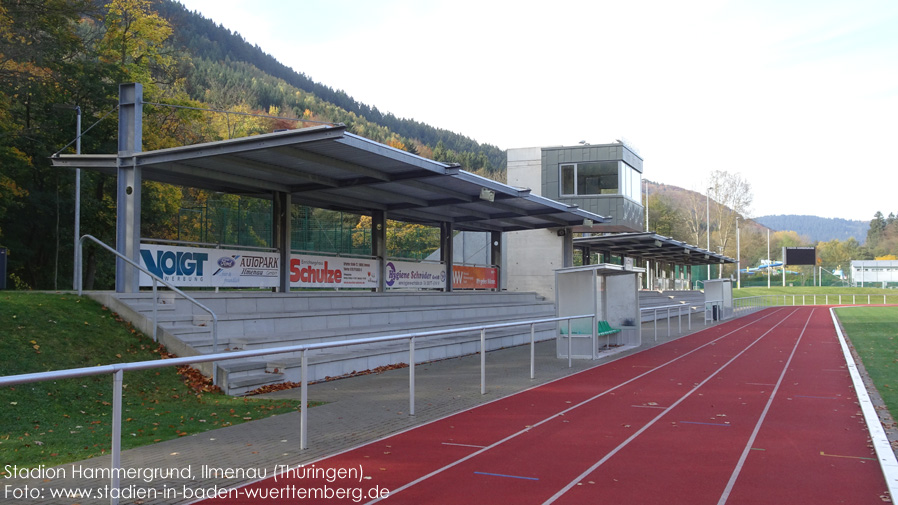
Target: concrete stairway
(255,320)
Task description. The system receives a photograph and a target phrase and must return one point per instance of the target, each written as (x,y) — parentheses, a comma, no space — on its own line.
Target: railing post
(655,320)
(679,320)
(483,360)
(116,435)
(569,346)
(532,351)
(155,303)
(595,335)
(411,376)
(668,322)
(304,402)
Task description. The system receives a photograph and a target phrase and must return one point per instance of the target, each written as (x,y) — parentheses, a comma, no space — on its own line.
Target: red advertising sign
(474,277)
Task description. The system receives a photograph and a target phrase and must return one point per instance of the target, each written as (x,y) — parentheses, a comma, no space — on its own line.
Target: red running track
(758,410)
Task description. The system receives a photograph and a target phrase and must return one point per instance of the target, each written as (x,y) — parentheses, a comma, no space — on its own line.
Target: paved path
(356,410)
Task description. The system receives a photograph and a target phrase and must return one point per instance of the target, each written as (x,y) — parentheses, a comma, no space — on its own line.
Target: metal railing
(758,302)
(156,281)
(679,309)
(117,371)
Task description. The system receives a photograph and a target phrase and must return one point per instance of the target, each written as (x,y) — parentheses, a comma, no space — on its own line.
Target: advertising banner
(464,277)
(203,267)
(307,271)
(410,275)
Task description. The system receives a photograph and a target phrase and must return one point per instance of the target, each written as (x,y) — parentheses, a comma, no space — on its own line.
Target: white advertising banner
(203,267)
(307,271)
(410,275)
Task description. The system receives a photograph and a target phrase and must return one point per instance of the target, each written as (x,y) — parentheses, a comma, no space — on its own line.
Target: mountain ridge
(818,229)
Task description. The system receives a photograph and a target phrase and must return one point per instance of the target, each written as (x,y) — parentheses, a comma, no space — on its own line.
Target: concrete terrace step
(243,377)
(251,320)
(247,325)
(266,302)
(202,341)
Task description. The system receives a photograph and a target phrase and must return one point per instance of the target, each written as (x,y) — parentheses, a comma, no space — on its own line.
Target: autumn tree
(731,198)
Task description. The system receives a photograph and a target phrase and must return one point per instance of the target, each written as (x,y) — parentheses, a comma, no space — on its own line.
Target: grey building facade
(604,179)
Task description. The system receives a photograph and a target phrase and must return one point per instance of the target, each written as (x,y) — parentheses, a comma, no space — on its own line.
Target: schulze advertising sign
(307,271)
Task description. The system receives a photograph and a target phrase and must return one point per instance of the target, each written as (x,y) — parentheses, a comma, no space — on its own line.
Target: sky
(798,97)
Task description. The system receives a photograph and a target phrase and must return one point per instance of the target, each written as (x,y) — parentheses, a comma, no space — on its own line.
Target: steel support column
(130,141)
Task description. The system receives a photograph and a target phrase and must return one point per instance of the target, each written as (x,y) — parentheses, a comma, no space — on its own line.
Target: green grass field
(874,333)
(57,422)
(822,295)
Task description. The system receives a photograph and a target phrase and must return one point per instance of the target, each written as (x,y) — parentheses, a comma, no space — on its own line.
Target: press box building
(602,179)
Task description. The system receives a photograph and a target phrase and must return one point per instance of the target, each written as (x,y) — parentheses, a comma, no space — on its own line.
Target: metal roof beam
(284,170)
(328,161)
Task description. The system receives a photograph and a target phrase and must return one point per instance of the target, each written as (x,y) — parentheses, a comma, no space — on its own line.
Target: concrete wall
(531,257)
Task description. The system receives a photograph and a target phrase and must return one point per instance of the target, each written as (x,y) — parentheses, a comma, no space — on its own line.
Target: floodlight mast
(77,110)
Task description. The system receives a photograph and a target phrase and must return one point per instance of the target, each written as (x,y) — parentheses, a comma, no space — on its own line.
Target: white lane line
(887,461)
(438,471)
(754,434)
(626,442)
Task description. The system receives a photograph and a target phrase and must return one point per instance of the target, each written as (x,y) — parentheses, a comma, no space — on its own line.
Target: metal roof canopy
(330,168)
(653,247)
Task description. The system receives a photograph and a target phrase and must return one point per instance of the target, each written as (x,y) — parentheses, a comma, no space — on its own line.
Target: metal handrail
(156,279)
(117,371)
(679,307)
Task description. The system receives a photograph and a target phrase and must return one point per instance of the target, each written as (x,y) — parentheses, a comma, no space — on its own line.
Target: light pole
(77,110)
(738,258)
(708,225)
(768,258)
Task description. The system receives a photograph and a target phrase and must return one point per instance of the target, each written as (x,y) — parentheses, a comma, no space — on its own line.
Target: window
(600,178)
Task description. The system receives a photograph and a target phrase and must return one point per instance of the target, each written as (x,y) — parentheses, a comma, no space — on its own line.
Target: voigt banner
(412,275)
(308,271)
(203,267)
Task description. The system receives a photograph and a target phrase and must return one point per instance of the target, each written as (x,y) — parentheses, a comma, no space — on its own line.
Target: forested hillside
(818,228)
(234,69)
(62,59)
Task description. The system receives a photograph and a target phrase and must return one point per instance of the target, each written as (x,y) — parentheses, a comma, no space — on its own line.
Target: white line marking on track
(465,445)
(659,416)
(393,492)
(754,434)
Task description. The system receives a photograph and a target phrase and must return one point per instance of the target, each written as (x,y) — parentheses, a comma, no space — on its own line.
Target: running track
(758,410)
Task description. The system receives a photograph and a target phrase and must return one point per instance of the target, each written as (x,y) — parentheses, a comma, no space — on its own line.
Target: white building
(874,273)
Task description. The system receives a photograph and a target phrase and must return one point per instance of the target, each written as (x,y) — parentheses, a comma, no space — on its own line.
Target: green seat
(605,329)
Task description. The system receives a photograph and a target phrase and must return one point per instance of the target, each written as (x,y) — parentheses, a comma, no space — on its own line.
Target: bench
(580,327)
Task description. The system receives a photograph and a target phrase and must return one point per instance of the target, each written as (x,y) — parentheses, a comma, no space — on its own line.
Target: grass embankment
(874,333)
(57,422)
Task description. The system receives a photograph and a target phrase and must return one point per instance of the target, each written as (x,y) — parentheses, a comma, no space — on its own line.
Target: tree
(877,228)
(731,199)
(663,216)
